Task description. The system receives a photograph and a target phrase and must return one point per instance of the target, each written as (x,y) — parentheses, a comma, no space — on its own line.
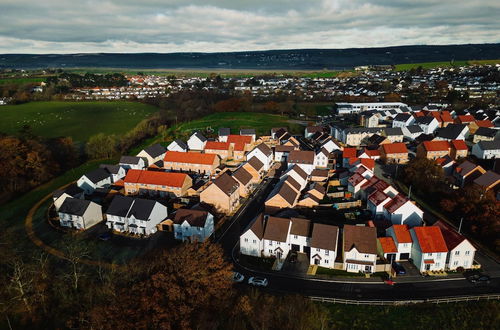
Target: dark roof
(451,237)
(242,175)
(195,218)
(364,239)
(426,120)
(451,132)
(265,149)
(112,169)
(324,237)
(257,226)
(288,193)
(224,131)
(489,145)
(318,187)
(227,184)
(301,227)
(276,229)
(130,160)
(155,150)
(292,182)
(282,148)
(320,173)
(376,139)
(485,131)
(255,163)
(200,136)
(402,117)
(71,190)
(181,144)
(97,175)
(301,157)
(414,129)
(487,179)
(247,131)
(142,208)
(391,131)
(297,169)
(120,205)
(74,206)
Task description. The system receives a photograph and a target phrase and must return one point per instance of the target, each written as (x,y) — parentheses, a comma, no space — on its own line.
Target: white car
(238,278)
(258,281)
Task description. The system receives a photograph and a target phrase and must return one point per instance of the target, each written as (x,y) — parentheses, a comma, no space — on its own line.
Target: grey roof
(485,131)
(402,117)
(426,120)
(393,131)
(112,169)
(200,136)
(142,209)
(181,144)
(71,190)
(487,179)
(414,129)
(489,145)
(247,131)
(224,131)
(155,150)
(120,205)
(130,160)
(74,206)
(451,132)
(356,130)
(97,175)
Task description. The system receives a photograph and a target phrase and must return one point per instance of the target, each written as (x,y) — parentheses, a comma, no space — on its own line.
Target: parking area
(410,268)
(298,264)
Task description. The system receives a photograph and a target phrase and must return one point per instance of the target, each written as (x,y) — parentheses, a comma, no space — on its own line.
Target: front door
(279,254)
(368,269)
(295,247)
(316,261)
(427,267)
(307,250)
(404,256)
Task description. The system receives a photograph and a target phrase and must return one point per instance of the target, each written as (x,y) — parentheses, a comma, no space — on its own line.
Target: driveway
(300,266)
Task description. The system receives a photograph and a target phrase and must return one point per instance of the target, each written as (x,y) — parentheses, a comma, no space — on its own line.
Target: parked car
(479,278)
(105,236)
(398,268)
(293,257)
(238,278)
(258,281)
(389,282)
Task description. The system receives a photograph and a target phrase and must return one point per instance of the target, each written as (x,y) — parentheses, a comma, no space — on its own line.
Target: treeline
(74,80)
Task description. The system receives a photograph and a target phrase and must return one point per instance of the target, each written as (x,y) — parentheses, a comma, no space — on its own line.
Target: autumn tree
(423,174)
(101,146)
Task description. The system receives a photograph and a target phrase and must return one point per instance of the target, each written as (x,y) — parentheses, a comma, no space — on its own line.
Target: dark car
(398,268)
(293,258)
(105,236)
(479,278)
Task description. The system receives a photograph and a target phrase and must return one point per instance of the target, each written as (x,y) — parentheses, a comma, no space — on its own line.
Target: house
(71,191)
(447,164)
(155,183)
(135,215)
(369,153)
(264,154)
(467,172)
(484,134)
(282,196)
(153,153)
(355,135)
(487,149)
(460,251)
(394,134)
(376,140)
(427,124)
(98,178)
(403,120)
(244,178)
(251,240)
(475,125)
(224,132)
(255,167)
(196,141)
(359,249)
(177,145)
(453,132)
(131,162)
(300,235)
(376,201)
(386,248)
(331,145)
(276,239)
(79,213)
(241,144)
(394,153)
(278,132)
(281,153)
(412,132)
(458,149)
(321,158)
(298,174)
(429,251)
(401,211)
(319,175)
(402,239)
(488,180)
(303,159)
(249,132)
(223,193)
(324,240)
(433,149)
(347,154)
(465,119)
(223,149)
(354,184)
(310,130)
(312,197)
(191,162)
(117,172)
(193,225)
(370,120)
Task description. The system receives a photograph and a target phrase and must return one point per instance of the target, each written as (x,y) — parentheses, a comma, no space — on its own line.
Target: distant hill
(294,59)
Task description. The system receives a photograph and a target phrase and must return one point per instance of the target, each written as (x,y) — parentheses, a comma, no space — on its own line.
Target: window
(457,253)
(246,239)
(278,243)
(254,241)
(366,256)
(455,263)
(270,243)
(270,251)
(327,252)
(438,255)
(467,253)
(326,261)
(317,250)
(295,236)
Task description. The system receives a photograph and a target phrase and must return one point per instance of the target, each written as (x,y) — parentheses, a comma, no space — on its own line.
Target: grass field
(315,109)
(484,62)
(21,81)
(428,65)
(80,120)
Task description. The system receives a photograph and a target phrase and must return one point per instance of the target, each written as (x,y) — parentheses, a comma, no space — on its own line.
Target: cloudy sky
(77,26)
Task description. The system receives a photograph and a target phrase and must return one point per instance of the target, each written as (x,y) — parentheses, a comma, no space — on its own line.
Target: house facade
(429,251)
(223,193)
(193,225)
(79,213)
(191,162)
(155,183)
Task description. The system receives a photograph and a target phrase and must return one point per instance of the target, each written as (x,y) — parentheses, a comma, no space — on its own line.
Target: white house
(401,211)
(224,132)
(359,249)
(79,213)
(460,251)
(412,132)
(264,154)
(321,158)
(177,145)
(403,120)
(303,159)
(116,171)
(72,191)
(297,174)
(376,201)
(153,153)
(354,184)
(324,240)
(251,241)
(135,215)
(193,225)
(131,162)
(330,145)
(197,141)
(402,239)
(98,178)
(281,153)
(429,251)
(487,149)
(276,241)
(300,235)
(427,123)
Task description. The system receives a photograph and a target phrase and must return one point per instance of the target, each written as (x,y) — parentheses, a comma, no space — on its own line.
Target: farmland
(21,81)
(80,120)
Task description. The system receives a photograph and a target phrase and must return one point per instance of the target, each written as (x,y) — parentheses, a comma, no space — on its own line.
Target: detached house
(117,172)
(98,178)
(79,213)
(72,191)
(193,225)
(412,132)
(460,251)
(330,145)
(487,149)
(394,153)
(197,141)
(403,120)
(359,249)
(153,154)
(223,193)
(324,240)
(400,210)
(256,168)
(131,162)
(244,178)
(303,159)
(264,154)
(224,132)
(321,158)
(429,251)
(467,172)
(177,145)
(427,124)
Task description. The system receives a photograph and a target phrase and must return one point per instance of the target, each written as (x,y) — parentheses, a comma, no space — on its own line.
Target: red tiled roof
(388,245)
(459,145)
(436,145)
(214,145)
(356,179)
(446,117)
(349,153)
(484,123)
(377,197)
(239,141)
(353,160)
(189,157)
(372,153)
(119,183)
(368,162)
(428,261)
(465,119)
(430,239)
(402,233)
(451,237)
(395,148)
(169,179)
(419,114)
(398,201)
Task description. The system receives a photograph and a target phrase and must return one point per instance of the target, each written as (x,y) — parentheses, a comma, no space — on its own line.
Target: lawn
(343,273)
(315,109)
(429,65)
(21,81)
(80,120)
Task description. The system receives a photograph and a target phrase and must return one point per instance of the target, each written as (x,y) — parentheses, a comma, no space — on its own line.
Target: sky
(165,26)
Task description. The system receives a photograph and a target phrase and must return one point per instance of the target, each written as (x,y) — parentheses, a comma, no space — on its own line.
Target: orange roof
(189,157)
(214,145)
(484,123)
(119,183)
(419,114)
(459,145)
(353,160)
(349,152)
(372,153)
(368,162)
(465,119)
(169,179)
(446,116)
(428,261)
(436,115)
(436,145)
(388,245)
(239,141)
(402,233)
(395,148)
(430,239)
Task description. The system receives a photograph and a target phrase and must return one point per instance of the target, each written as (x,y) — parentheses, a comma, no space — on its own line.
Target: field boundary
(406,302)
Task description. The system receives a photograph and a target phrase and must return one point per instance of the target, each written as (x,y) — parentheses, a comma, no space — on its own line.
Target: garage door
(404,256)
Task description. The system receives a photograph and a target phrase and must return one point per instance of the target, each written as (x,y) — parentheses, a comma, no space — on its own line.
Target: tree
(101,146)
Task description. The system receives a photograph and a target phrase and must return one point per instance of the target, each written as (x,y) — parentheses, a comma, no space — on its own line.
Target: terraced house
(154,183)
(191,162)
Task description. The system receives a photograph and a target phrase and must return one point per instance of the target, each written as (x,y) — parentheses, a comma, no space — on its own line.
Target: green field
(21,81)
(80,120)
(315,109)
(429,65)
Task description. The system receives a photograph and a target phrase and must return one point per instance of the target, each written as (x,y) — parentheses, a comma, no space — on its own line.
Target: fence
(406,302)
